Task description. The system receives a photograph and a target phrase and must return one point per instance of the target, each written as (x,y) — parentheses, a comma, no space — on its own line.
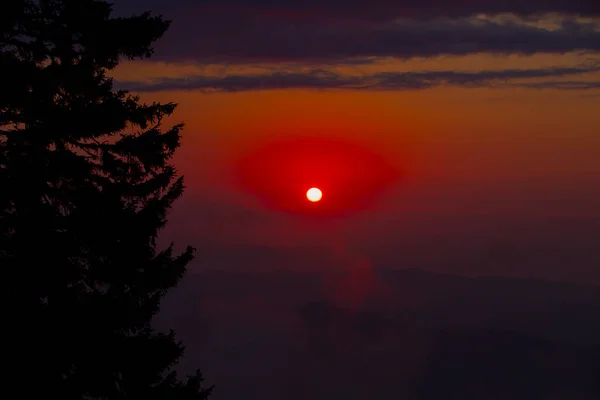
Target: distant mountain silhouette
(494,365)
(556,311)
(434,337)
(460,364)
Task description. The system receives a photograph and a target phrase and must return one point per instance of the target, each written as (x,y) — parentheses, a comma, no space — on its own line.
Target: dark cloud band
(370,9)
(338,30)
(324,79)
(273,40)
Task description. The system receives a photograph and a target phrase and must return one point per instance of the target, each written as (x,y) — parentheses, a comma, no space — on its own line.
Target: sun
(314,194)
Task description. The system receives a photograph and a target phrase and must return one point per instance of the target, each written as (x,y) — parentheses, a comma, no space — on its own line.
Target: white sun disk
(314,194)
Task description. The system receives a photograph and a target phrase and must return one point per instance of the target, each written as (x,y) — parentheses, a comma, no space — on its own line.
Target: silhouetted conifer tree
(85,185)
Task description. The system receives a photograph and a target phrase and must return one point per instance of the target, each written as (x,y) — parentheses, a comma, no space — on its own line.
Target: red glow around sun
(349,176)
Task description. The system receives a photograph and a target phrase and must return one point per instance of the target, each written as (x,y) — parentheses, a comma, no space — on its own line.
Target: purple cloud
(324,79)
(272,39)
(337,31)
(373,9)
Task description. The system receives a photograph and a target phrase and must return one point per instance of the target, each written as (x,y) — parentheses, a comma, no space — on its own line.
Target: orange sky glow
(508,151)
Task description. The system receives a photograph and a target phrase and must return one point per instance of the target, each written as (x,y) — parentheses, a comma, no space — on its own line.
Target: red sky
(498,154)
(463,140)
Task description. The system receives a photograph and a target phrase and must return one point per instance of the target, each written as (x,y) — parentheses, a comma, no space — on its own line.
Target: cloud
(325,79)
(336,30)
(242,39)
(374,9)
(564,85)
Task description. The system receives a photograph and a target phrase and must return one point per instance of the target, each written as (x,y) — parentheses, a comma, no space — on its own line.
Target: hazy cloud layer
(331,30)
(564,85)
(324,79)
(376,9)
(522,338)
(335,32)
(241,39)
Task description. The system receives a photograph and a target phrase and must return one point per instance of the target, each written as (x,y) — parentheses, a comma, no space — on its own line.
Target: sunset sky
(489,110)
